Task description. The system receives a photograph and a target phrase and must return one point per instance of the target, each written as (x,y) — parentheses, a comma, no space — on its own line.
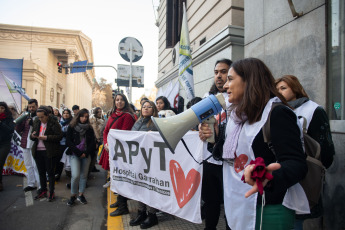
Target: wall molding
(229,36)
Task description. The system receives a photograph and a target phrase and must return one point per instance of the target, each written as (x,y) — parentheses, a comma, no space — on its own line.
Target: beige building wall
(220,24)
(41,49)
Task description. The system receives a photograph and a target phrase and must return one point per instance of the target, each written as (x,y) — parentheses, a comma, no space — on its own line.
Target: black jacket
(286,141)
(320,131)
(6,130)
(73,139)
(141,125)
(54,136)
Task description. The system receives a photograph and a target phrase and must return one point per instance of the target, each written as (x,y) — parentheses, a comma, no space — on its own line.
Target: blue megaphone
(172,129)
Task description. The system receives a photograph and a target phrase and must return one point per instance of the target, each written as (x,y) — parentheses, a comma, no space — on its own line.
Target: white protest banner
(143,168)
(15,160)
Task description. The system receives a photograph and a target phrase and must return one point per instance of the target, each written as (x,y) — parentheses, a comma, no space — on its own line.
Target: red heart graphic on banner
(240,162)
(184,187)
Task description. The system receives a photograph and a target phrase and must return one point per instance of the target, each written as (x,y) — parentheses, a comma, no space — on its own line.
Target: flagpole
(10,93)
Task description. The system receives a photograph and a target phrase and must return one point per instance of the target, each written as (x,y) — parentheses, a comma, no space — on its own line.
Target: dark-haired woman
(252,92)
(64,122)
(146,216)
(163,106)
(80,140)
(46,134)
(317,127)
(14,111)
(7,128)
(57,114)
(97,122)
(122,117)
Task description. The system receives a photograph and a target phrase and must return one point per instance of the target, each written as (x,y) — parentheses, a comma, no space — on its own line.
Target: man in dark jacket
(24,129)
(46,134)
(212,181)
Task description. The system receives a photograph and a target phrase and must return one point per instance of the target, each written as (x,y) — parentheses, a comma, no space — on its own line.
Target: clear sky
(105,22)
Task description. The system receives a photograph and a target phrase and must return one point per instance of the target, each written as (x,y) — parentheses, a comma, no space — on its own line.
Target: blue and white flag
(185,65)
(13,70)
(14,87)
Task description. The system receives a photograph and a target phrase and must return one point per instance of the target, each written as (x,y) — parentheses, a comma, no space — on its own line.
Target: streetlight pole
(83,66)
(130,72)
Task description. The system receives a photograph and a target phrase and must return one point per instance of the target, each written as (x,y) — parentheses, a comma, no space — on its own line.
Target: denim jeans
(298,224)
(79,169)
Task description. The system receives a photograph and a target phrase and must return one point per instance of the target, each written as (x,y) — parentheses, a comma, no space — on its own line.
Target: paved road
(18,210)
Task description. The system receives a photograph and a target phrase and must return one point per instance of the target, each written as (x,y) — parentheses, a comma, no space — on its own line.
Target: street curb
(113,222)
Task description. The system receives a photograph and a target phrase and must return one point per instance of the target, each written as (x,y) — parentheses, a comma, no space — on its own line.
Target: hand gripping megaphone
(172,129)
(21,118)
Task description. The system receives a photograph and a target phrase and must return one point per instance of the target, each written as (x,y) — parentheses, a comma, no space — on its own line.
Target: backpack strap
(317,148)
(304,125)
(266,129)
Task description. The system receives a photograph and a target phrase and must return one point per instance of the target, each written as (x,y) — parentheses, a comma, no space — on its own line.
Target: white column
(70,81)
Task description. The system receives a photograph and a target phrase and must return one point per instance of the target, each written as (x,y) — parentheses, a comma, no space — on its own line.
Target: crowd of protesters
(53,141)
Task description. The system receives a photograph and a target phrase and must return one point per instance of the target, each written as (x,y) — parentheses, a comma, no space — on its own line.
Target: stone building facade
(306,39)
(215,32)
(42,49)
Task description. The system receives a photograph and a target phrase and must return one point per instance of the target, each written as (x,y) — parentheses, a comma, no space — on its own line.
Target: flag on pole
(9,84)
(12,69)
(160,92)
(185,58)
(173,95)
(14,87)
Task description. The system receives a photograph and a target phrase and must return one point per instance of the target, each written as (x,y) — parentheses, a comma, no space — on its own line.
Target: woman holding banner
(7,129)
(122,117)
(145,124)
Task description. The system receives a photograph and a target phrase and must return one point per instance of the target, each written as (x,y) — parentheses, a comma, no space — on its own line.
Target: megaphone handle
(210,121)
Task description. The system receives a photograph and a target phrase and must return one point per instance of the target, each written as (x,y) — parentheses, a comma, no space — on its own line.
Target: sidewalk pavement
(19,210)
(165,220)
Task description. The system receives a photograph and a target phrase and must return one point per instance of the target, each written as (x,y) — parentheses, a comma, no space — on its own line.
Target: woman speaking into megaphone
(252,92)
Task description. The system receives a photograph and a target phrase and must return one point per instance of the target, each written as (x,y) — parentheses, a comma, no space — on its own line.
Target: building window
(174,15)
(336,60)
